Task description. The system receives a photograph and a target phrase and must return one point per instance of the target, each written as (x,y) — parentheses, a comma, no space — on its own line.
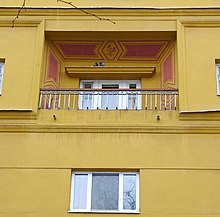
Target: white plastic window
(1,76)
(104,192)
(218,78)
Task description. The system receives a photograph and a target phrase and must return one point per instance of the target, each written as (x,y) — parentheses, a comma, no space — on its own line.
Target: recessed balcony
(107,73)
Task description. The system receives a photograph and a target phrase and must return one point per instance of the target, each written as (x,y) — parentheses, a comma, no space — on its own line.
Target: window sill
(104,211)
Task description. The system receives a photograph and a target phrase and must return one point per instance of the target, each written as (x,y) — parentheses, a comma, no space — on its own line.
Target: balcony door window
(109,94)
(110,98)
(87,97)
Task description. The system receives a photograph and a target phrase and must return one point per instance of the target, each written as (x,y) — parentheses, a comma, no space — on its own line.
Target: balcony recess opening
(139,71)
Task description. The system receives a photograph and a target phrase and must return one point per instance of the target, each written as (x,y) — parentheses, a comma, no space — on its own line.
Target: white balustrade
(108,99)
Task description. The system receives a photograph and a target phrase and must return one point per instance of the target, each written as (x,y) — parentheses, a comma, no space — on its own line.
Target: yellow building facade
(109,90)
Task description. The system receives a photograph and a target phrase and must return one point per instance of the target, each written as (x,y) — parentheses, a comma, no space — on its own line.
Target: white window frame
(1,76)
(89,193)
(218,78)
(123,99)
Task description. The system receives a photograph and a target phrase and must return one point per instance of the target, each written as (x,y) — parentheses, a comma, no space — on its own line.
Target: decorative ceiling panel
(114,50)
(142,50)
(73,50)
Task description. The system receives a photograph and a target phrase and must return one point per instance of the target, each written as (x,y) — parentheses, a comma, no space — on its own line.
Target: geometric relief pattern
(51,78)
(110,50)
(74,50)
(143,50)
(130,50)
(168,74)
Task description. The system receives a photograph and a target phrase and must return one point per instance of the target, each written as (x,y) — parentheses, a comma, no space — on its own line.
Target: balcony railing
(108,99)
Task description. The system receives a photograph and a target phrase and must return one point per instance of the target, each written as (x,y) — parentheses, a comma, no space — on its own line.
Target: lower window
(104,192)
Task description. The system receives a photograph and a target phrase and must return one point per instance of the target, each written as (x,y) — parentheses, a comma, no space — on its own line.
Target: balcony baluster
(108,99)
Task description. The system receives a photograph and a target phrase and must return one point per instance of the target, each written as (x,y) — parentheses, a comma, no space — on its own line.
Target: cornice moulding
(116,11)
(12,128)
(20,23)
(15,114)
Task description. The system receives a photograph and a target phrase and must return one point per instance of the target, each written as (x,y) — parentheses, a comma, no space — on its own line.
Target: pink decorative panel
(53,67)
(146,50)
(79,49)
(51,78)
(142,50)
(168,70)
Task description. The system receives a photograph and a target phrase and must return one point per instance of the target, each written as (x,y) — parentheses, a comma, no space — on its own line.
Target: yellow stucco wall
(34,192)
(18,48)
(139,3)
(109,150)
(202,51)
(177,178)
(45,192)
(177,156)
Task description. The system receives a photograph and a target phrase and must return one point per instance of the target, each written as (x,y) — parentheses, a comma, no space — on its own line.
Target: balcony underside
(111,118)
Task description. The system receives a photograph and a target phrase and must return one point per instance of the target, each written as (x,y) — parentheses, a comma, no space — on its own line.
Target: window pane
(110,86)
(132,100)
(87,97)
(129,192)
(105,191)
(218,83)
(80,191)
(87,100)
(132,97)
(132,86)
(88,85)
(109,98)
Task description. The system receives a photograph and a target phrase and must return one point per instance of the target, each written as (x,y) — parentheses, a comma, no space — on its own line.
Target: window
(104,192)
(218,78)
(1,76)
(107,94)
